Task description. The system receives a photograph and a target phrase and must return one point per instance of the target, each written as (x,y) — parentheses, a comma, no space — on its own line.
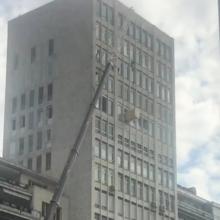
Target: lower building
(193,207)
(25,195)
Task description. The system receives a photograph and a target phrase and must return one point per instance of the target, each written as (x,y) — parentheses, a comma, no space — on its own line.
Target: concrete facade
(193,207)
(25,194)
(127,164)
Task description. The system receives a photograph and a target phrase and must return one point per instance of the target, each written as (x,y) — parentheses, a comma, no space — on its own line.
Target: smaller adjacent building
(25,195)
(193,207)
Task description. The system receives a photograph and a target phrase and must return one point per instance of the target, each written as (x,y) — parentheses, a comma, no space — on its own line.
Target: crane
(74,153)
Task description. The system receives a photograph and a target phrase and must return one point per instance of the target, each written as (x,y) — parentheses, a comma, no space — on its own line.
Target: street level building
(56,55)
(193,207)
(25,195)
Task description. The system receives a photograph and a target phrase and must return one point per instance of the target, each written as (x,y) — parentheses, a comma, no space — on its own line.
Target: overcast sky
(193,25)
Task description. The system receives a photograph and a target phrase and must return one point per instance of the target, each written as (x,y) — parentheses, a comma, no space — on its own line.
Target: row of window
(104,175)
(164,134)
(108,85)
(26,145)
(136,77)
(101,217)
(131,210)
(104,34)
(33,54)
(163,50)
(165,160)
(164,72)
(104,12)
(166,178)
(104,151)
(135,188)
(136,56)
(38,163)
(136,165)
(31,98)
(163,93)
(164,114)
(22,121)
(104,128)
(106,105)
(137,33)
(135,146)
(104,200)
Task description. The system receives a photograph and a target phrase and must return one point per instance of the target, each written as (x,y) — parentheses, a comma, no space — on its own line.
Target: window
(40,95)
(171,181)
(104,176)
(120,89)
(126,161)
(111,178)
(22,121)
(30,164)
(133,211)
(145,170)
(127,209)
(152,172)
(138,34)
(120,160)
(98,148)
(172,203)
(146,193)
(13,125)
(39,139)
(22,101)
(49,136)
(111,131)
(39,164)
(160,179)
(33,54)
(133,164)
(133,187)
(97,172)
(98,31)
(110,107)
(40,116)
(139,190)
(104,200)
(51,47)
(111,203)
(104,151)
(49,112)
(138,78)
(97,198)
(104,128)
(127,185)
(14,104)
(152,194)
(50,92)
(110,153)
(98,125)
(104,104)
(30,142)
(120,206)
(21,146)
(48,161)
(31,98)
(120,182)
(139,167)
(139,213)
(121,20)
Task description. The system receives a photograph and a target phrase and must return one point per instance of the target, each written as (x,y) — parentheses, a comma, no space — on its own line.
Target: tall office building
(56,55)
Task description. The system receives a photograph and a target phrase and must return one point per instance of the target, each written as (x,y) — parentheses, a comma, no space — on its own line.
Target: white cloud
(193,24)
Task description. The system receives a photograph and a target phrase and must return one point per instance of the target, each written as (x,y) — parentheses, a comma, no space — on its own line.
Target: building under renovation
(25,195)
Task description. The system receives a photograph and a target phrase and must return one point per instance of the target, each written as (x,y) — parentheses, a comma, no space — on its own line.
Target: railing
(184,207)
(14,187)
